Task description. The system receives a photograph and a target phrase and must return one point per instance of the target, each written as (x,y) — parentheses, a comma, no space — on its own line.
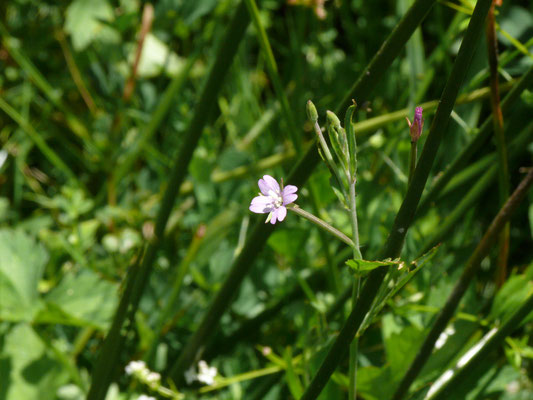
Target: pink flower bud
(415,128)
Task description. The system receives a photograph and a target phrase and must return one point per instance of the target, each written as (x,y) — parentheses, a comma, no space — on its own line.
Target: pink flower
(273,199)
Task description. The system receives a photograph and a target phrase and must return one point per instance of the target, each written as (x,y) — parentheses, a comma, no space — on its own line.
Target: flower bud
(333,120)
(415,128)
(311,111)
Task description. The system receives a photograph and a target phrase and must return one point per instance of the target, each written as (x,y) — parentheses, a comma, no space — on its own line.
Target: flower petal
(281,213)
(261,205)
(267,184)
(289,198)
(289,189)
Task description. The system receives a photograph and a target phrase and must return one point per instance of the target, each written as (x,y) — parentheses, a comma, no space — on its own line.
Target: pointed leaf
(366,265)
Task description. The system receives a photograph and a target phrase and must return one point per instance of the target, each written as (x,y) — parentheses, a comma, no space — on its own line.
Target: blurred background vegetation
(96,101)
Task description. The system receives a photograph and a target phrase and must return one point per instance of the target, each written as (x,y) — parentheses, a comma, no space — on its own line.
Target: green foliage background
(84,169)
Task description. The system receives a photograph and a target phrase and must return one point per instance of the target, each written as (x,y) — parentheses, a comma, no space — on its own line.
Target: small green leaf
(295,386)
(366,265)
(336,137)
(84,22)
(352,145)
(22,263)
(338,191)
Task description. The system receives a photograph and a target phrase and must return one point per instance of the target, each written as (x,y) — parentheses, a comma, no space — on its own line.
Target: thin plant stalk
(107,361)
(405,215)
(75,72)
(356,286)
(412,160)
(146,25)
(366,82)
(499,136)
(354,346)
(321,224)
(482,250)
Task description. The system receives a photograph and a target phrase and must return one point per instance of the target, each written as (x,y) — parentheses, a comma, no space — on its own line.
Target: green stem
(482,250)
(321,224)
(354,346)
(412,161)
(499,136)
(405,215)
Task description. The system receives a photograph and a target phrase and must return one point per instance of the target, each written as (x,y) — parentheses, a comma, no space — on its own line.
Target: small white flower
(153,377)
(145,397)
(206,374)
(190,375)
(135,366)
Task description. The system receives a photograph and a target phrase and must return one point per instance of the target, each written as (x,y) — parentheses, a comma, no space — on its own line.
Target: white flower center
(276,198)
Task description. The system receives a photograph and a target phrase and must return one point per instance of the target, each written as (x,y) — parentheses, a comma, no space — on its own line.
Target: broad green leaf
(22,263)
(374,383)
(28,370)
(401,345)
(83,22)
(84,299)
